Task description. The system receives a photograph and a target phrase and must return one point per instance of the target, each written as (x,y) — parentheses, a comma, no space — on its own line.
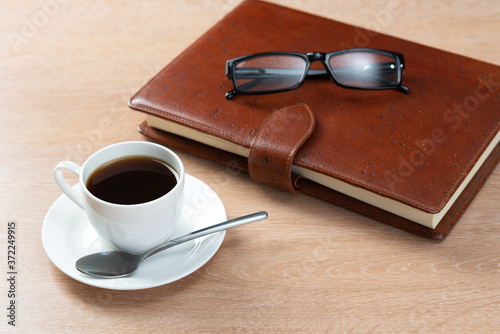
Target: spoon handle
(209,230)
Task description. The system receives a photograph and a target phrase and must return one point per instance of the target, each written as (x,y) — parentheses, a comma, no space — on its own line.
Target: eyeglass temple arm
(262,75)
(256,82)
(252,72)
(320,72)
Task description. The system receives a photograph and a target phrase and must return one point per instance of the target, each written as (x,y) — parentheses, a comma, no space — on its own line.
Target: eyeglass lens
(365,69)
(270,73)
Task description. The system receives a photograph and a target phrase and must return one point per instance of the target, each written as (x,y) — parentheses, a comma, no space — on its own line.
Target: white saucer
(67,235)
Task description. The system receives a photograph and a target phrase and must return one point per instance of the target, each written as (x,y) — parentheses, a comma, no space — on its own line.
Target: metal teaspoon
(113,264)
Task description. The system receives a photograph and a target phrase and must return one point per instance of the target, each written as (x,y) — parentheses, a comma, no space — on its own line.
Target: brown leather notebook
(414,160)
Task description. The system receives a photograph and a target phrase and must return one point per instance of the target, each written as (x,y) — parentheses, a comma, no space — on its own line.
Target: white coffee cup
(130,227)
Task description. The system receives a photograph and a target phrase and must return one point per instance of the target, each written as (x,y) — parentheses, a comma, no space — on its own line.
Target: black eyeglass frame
(309,58)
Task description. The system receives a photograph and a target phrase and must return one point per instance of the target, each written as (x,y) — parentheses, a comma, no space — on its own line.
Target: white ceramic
(67,235)
(132,228)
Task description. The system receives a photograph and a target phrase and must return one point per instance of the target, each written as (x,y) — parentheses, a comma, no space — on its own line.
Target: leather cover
(416,148)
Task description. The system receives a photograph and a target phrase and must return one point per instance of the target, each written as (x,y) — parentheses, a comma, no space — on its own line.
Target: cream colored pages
(387,204)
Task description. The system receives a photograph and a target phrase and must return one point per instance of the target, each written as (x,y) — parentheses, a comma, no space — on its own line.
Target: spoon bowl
(114,264)
(109,264)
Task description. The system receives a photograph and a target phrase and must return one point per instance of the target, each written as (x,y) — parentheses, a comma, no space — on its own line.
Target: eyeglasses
(273,72)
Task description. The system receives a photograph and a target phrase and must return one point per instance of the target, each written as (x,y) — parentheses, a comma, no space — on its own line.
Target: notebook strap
(279,139)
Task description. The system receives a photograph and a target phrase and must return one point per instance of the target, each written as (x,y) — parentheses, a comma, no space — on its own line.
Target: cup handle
(73,194)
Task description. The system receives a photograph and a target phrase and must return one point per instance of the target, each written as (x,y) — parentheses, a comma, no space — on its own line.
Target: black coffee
(132,180)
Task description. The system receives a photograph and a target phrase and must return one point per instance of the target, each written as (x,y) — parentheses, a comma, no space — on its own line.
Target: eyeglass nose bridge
(321,57)
(316,56)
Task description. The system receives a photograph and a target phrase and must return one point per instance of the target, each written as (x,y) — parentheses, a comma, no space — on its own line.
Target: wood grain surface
(67,70)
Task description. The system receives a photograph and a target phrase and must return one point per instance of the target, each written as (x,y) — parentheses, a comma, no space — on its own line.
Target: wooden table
(67,69)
